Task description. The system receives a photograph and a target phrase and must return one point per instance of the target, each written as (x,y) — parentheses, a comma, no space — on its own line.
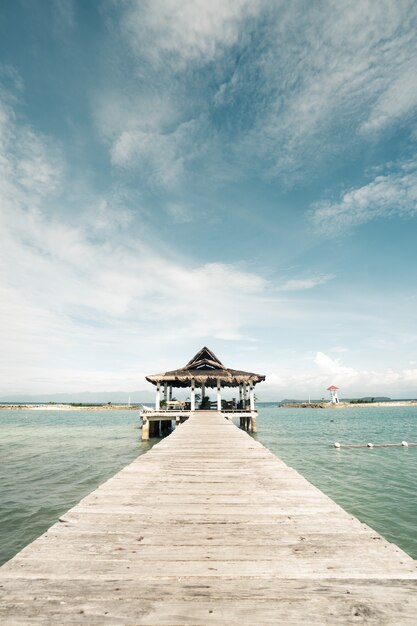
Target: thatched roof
(205,368)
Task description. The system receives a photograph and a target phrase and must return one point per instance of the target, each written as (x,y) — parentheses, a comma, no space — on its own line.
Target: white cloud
(37,170)
(392,195)
(332,367)
(29,163)
(102,217)
(158,127)
(180,213)
(10,76)
(181,31)
(397,102)
(334,71)
(160,155)
(350,381)
(67,295)
(300,284)
(116,110)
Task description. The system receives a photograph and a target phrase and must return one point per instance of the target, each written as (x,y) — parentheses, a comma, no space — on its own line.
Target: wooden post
(166,392)
(170,393)
(193,395)
(203,391)
(145,429)
(253,422)
(244,396)
(158,397)
(219,396)
(241,396)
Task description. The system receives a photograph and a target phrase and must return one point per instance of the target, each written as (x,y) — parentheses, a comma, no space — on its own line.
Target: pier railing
(186,409)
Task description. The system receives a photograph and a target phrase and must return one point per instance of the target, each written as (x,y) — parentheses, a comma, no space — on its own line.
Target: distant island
(345,400)
(326,404)
(72,406)
(82,397)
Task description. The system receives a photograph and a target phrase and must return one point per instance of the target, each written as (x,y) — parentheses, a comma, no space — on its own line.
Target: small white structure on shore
(334,398)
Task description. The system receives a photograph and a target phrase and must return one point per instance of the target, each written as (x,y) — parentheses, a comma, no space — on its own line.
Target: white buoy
(337,444)
(405,444)
(370,445)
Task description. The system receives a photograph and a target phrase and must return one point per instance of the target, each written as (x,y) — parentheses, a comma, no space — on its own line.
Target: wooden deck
(208,527)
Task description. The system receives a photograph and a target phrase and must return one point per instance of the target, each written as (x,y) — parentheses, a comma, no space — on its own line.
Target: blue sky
(238,174)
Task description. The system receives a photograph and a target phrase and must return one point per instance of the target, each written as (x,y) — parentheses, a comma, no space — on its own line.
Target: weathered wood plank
(265,601)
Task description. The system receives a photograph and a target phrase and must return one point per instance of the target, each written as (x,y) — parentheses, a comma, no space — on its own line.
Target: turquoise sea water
(49,460)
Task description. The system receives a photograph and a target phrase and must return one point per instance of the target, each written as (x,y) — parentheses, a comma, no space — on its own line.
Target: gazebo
(204,371)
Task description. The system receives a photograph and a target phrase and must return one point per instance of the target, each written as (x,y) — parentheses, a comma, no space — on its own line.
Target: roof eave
(227,378)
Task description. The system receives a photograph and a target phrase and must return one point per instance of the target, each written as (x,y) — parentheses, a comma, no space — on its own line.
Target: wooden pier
(209,527)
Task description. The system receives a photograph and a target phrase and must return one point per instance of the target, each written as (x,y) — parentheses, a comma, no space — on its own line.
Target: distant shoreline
(343,405)
(68,407)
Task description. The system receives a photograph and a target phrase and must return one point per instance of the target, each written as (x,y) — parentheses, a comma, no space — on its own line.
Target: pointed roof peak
(205,358)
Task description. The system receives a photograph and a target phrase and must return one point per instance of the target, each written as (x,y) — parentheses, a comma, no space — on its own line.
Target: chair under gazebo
(204,371)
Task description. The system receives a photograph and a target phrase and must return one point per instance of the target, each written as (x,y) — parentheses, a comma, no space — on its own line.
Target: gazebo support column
(166,393)
(244,396)
(158,397)
(173,423)
(219,396)
(252,407)
(240,396)
(193,395)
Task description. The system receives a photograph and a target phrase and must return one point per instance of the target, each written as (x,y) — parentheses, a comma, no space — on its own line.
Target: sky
(240,174)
